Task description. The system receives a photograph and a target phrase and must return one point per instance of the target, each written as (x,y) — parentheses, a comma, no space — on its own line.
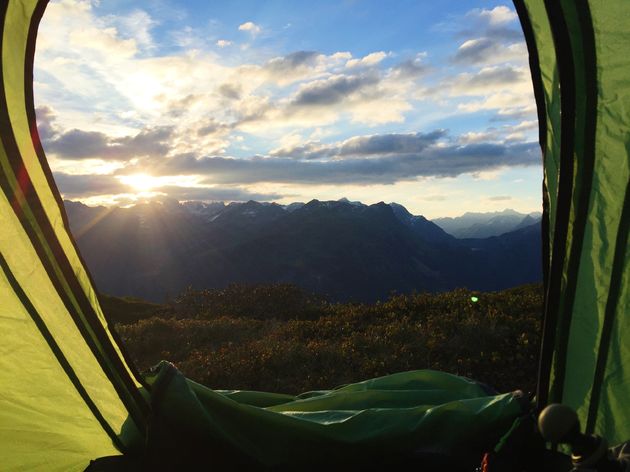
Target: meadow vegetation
(280,338)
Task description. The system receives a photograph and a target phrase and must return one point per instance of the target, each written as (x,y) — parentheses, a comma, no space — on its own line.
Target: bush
(225,340)
(276,301)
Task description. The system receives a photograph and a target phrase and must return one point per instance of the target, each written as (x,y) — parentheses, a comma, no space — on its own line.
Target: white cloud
(371,59)
(136,25)
(486,51)
(505,102)
(250,27)
(527,125)
(342,55)
(493,174)
(479,137)
(499,15)
(491,80)
(99,71)
(504,88)
(107,75)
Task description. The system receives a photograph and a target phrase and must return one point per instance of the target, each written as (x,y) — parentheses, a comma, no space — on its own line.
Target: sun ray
(140,182)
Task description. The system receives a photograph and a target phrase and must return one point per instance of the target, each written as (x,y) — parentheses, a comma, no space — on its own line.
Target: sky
(428,104)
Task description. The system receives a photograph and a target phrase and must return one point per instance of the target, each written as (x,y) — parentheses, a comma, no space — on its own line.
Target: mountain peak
(331,247)
(350,202)
(400,211)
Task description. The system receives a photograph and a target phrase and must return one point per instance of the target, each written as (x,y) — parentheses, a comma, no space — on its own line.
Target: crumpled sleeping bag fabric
(424,417)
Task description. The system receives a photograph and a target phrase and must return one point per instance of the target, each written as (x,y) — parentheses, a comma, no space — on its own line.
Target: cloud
(497,74)
(522,131)
(381,158)
(96,77)
(179,107)
(295,65)
(490,78)
(509,105)
(435,198)
(333,90)
(493,37)
(231,91)
(519,112)
(215,194)
(505,89)
(136,25)
(327,93)
(383,144)
(87,185)
(499,15)
(527,125)
(45,117)
(288,63)
(213,126)
(250,27)
(412,68)
(500,198)
(79,144)
(501,20)
(427,156)
(371,59)
(99,71)
(138,107)
(105,35)
(490,50)
(480,136)
(310,150)
(475,51)
(90,185)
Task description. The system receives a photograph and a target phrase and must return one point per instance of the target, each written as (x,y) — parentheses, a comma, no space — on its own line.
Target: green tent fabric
(68,395)
(65,388)
(426,417)
(581,74)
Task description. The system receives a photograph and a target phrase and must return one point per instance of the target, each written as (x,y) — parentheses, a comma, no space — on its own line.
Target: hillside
(339,249)
(282,339)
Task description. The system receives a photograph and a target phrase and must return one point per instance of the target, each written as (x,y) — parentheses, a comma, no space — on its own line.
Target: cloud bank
(244,118)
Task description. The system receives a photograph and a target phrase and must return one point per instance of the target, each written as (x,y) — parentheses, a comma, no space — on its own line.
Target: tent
(580,72)
(69,395)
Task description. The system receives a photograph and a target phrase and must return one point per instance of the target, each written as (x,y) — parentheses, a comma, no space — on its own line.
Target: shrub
(226,341)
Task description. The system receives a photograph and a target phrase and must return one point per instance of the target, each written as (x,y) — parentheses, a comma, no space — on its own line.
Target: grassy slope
(212,338)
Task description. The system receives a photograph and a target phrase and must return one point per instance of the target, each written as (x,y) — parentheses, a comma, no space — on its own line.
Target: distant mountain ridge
(485,225)
(341,249)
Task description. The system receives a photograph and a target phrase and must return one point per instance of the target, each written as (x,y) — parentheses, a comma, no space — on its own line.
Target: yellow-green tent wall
(581,75)
(66,390)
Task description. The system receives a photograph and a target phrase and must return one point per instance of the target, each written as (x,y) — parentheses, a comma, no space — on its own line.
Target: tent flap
(68,393)
(581,69)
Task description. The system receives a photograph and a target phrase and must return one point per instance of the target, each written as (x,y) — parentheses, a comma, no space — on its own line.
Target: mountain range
(485,225)
(343,250)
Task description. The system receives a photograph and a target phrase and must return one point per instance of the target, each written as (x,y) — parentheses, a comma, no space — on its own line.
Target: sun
(140,182)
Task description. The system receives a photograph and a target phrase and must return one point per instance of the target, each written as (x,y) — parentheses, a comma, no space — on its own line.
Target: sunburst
(141,182)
